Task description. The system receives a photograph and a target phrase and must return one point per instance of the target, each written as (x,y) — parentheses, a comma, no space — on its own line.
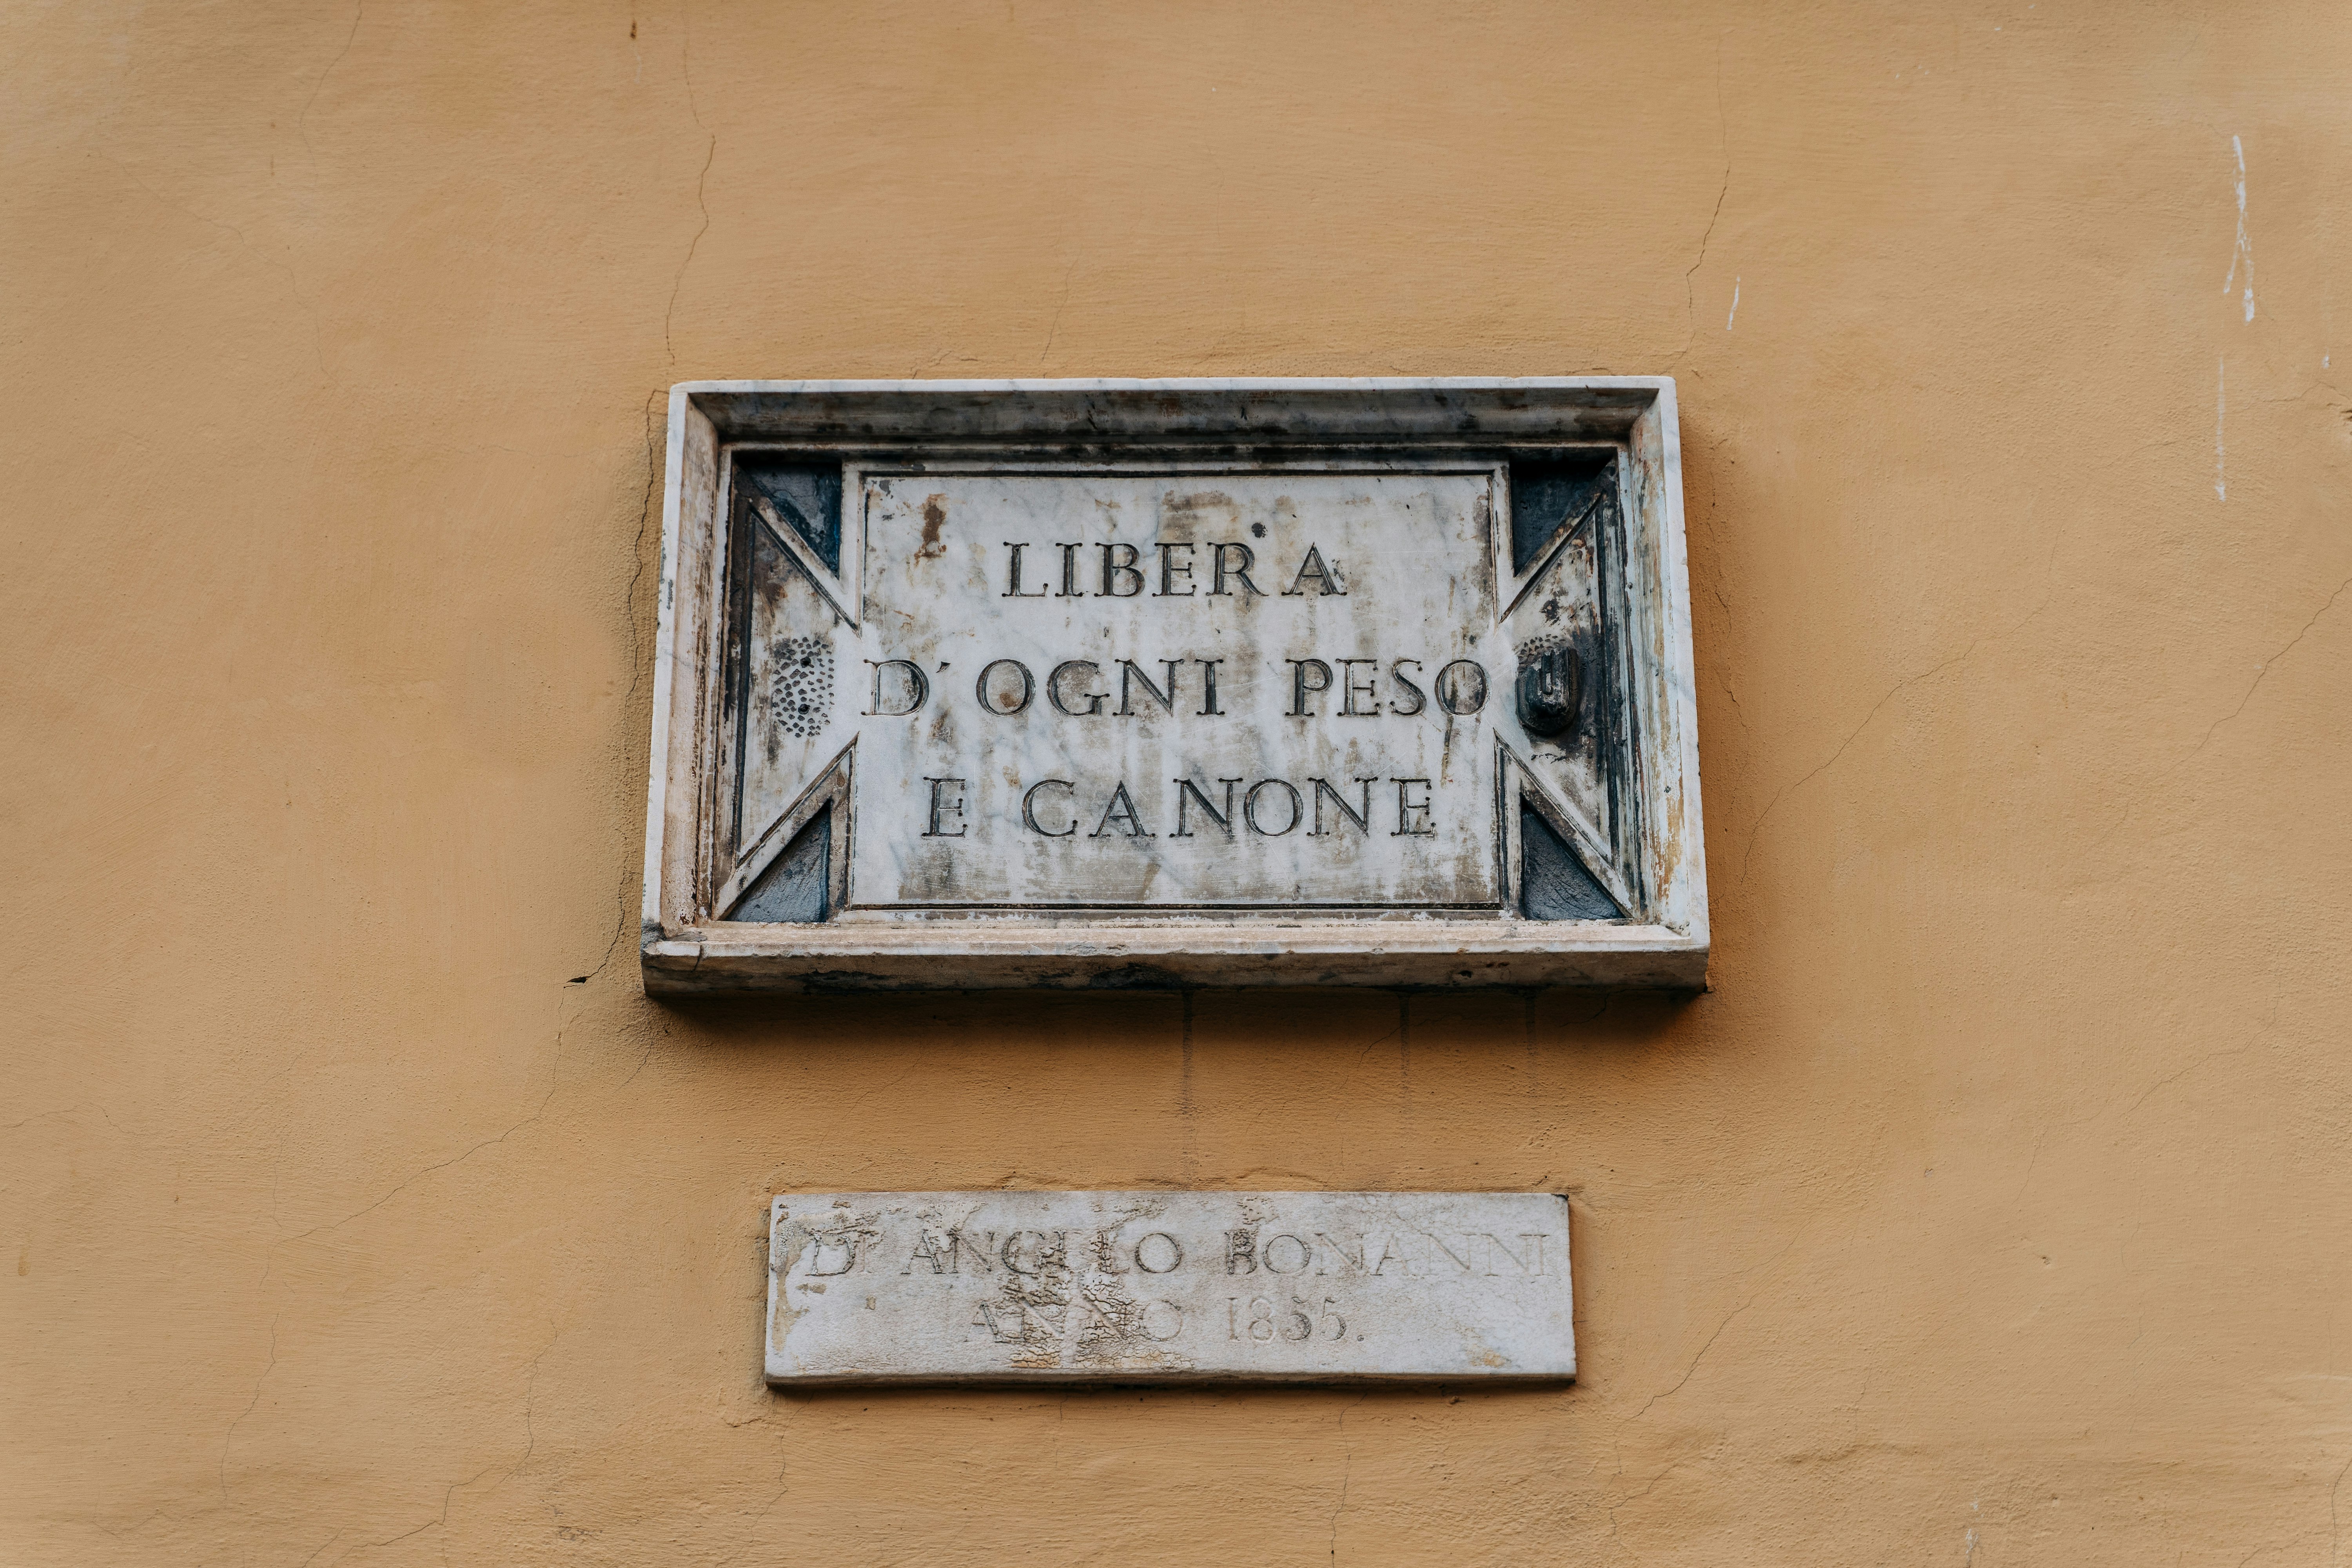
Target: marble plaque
(1155,1287)
(1174,683)
(1181,688)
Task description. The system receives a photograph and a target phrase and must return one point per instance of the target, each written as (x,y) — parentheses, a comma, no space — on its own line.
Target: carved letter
(1029,808)
(1248,560)
(926,1251)
(1174,1254)
(1209,708)
(1249,808)
(1464,693)
(1354,1260)
(1461,1260)
(1128,671)
(1312,566)
(952,807)
(842,1241)
(1117,568)
(1041,1257)
(1306,1255)
(1121,810)
(1351,688)
(1094,699)
(1495,1245)
(1170,572)
(1013,575)
(1420,697)
(1070,589)
(919,688)
(1106,1251)
(988,1319)
(1362,819)
(1241,1252)
(1028,687)
(958,1248)
(1299,688)
(1413,816)
(1224,819)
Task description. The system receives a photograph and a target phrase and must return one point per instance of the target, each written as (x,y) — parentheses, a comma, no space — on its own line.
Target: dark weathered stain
(825,981)
(1137,977)
(935,518)
(1546,497)
(1554,883)
(1551,686)
(797,888)
(806,498)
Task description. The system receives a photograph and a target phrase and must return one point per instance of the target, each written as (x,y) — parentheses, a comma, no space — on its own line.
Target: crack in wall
(303,120)
(229,1437)
(2261,673)
(1756,827)
(701,181)
(1723,138)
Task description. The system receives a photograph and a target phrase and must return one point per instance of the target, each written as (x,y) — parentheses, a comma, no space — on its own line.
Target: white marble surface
(1408,554)
(1127,1286)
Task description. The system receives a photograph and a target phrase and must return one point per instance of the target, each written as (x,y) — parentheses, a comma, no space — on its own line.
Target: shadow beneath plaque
(1336,1090)
(1563,1007)
(1377,1396)
(1060,1037)
(1286,1077)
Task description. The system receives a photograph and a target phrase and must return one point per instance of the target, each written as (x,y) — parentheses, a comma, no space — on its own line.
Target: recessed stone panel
(1182,688)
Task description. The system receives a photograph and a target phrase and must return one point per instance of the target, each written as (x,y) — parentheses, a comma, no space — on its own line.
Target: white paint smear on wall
(2245,248)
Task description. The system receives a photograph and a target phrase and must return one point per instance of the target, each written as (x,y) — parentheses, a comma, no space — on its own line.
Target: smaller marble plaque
(1159,1287)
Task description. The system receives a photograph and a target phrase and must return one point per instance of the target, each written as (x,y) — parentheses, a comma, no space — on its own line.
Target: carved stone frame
(1664,945)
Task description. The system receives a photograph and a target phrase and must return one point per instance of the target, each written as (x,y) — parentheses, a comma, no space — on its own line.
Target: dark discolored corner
(797,888)
(1553,883)
(1547,494)
(806,495)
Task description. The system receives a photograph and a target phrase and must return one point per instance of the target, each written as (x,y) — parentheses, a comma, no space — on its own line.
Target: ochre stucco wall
(1990,1210)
